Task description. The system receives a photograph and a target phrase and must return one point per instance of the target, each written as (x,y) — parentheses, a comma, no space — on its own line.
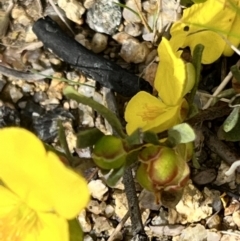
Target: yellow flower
(206,23)
(149,113)
(173,80)
(39,193)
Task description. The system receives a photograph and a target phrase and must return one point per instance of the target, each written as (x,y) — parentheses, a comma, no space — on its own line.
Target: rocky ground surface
(209,209)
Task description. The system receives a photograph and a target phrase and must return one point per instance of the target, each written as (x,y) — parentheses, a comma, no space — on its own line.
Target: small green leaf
(132,157)
(182,133)
(150,137)
(135,138)
(228,93)
(138,137)
(75,230)
(193,111)
(115,176)
(195,161)
(232,135)
(52,149)
(197,59)
(71,93)
(231,120)
(88,137)
(130,9)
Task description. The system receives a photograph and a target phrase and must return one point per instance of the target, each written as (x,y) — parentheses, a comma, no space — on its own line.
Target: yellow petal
(20,222)
(234,35)
(69,191)
(23,166)
(8,201)
(211,15)
(213,46)
(149,113)
(170,80)
(38,177)
(52,227)
(178,38)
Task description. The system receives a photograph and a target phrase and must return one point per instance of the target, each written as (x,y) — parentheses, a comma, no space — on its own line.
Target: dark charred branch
(106,72)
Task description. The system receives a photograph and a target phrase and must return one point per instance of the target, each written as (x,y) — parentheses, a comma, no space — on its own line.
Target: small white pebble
(97,189)
(66,105)
(87,238)
(109,210)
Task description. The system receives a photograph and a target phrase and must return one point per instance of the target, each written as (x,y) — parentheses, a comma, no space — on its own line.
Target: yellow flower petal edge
(234,35)
(69,191)
(170,80)
(213,46)
(211,15)
(39,192)
(149,113)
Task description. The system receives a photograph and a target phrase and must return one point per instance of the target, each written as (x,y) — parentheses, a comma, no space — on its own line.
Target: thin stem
(219,89)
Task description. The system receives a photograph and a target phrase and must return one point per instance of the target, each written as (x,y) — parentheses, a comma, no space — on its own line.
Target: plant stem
(129,184)
(135,214)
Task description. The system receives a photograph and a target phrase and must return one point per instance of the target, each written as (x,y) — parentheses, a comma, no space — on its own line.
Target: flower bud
(109,153)
(162,168)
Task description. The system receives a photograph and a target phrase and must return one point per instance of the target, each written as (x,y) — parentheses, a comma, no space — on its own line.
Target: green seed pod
(166,169)
(142,177)
(109,153)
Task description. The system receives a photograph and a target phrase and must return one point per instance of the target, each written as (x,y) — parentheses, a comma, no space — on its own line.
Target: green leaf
(138,137)
(231,120)
(130,9)
(71,93)
(88,137)
(75,230)
(132,157)
(232,135)
(195,161)
(115,176)
(236,73)
(228,93)
(193,111)
(197,59)
(135,138)
(182,133)
(151,138)
(52,149)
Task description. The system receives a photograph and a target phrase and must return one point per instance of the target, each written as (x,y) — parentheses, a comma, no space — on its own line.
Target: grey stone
(104,16)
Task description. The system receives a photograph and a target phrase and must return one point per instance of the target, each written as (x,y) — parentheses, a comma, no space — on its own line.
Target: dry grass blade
(60,16)
(143,19)
(218,90)
(29,77)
